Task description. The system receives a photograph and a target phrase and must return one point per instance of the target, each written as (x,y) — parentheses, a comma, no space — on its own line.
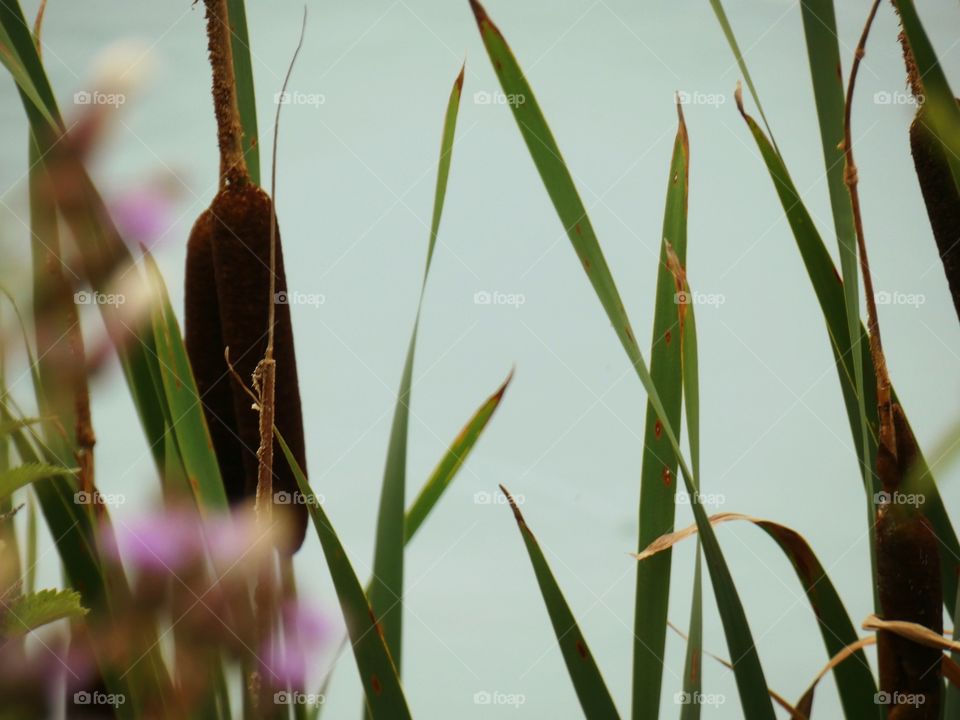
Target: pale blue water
(354,198)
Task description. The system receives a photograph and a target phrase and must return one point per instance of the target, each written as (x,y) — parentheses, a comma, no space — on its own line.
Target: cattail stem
(851,179)
(233,165)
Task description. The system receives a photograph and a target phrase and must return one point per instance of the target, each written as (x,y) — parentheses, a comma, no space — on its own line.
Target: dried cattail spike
(241,261)
(909,582)
(941,197)
(205,345)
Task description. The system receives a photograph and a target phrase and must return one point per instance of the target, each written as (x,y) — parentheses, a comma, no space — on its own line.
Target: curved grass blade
(854,680)
(243,77)
(659,465)
(387,588)
(823,53)
(562,191)
(587,681)
(187,422)
(378,674)
(828,288)
(451,462)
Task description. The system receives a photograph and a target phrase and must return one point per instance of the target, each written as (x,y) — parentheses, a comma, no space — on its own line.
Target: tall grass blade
(591,689)
(659,465)
(560,187)
(387,589)
(823,53)
(378,674)
(187,422)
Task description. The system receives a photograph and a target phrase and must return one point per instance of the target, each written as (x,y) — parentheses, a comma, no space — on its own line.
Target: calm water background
(356,175)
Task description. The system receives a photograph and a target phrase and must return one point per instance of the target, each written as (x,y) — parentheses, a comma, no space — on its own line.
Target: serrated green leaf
(28,612)
(17,477)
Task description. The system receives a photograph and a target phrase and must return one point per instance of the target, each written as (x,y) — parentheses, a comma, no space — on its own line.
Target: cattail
(909,583)
(940,194)
(941,197)
(227,306)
